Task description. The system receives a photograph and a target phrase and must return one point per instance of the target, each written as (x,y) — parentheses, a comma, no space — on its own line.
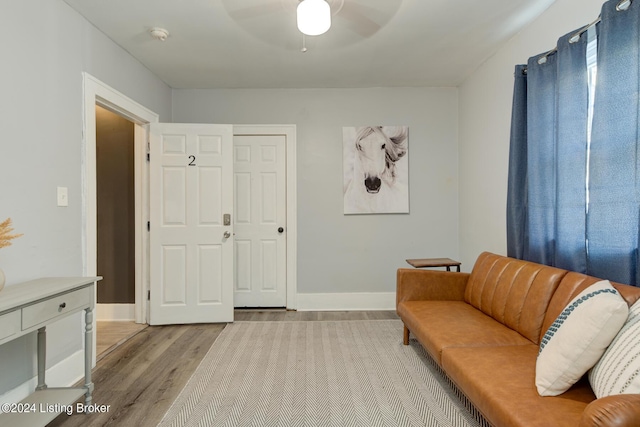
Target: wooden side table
(30,307)
(434,262)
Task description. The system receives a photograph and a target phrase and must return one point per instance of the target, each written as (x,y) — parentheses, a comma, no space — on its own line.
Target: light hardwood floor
(110,335)
(141,378)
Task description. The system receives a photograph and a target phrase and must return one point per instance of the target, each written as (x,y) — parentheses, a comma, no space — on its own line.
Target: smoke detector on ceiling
(159,33)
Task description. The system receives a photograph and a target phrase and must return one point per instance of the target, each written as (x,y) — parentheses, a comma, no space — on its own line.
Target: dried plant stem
(5,236)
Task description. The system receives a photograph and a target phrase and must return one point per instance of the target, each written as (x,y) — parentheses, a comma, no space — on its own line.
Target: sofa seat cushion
(442,324)
(500,381)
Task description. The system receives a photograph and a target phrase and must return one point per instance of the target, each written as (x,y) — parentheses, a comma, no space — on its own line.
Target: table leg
(42,358)
(88,352)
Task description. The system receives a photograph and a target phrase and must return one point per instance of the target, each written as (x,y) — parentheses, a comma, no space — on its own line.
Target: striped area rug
(322,373)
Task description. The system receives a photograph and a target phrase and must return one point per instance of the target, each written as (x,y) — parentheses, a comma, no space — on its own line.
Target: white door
(259,164)
(191,247)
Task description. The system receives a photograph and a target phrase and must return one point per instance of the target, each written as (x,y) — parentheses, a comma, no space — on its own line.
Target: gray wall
(354,253)
(46,47)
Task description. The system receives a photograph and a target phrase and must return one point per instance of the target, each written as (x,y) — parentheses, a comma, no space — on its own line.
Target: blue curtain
(613,218)
(541,155)
(571,154)
(572,202)
(517,184)
(546,191)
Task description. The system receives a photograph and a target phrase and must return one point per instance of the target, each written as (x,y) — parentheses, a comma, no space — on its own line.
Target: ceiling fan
(352,20)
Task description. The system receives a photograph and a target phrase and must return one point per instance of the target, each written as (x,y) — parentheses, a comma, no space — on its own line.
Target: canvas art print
(376,169)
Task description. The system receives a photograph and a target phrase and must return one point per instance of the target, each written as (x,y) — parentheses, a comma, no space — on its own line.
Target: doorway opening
(115,196)
(97,93)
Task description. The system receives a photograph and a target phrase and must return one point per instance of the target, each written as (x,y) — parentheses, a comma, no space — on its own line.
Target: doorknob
(280,230)
(226,234)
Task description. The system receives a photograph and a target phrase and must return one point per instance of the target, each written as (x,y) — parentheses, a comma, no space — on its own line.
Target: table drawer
(9,324)
(56,307)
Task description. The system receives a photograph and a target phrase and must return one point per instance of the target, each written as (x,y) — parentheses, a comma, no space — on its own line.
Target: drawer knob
(63,305)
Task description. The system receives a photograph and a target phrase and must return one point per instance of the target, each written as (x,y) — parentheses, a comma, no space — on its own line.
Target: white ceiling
(255,43)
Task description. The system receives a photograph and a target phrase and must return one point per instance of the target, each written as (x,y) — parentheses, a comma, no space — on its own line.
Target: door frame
(99,93)
(289,132)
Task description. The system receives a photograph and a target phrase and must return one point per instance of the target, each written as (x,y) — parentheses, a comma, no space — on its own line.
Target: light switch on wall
(63,196)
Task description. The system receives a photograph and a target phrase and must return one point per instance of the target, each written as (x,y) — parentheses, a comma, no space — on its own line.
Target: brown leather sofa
(484,329)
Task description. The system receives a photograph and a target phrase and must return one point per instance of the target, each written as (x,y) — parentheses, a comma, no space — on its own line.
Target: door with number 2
(191,206)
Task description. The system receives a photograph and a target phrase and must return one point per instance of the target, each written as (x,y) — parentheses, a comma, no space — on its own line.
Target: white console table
(31,306)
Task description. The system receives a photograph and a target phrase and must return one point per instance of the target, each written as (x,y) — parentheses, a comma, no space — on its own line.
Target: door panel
(173,196)
(210,204)
(260,209)
(210,269)
(191,180)
(174,277)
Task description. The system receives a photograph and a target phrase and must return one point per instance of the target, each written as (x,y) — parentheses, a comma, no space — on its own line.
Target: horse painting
(376,169)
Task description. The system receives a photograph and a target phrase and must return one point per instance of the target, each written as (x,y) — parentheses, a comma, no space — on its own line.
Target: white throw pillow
(618,371)
(579,337)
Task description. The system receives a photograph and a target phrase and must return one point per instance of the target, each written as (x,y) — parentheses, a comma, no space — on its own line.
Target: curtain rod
(622,5)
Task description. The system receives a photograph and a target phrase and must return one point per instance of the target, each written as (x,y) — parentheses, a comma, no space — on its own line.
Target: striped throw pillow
(578,337)
(618,371)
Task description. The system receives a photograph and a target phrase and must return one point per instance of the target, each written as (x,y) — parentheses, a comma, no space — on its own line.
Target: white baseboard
(352,301)
(64,374)
(116,312)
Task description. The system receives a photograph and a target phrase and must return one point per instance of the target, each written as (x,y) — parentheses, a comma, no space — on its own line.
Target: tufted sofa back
(571,285)
(514,292)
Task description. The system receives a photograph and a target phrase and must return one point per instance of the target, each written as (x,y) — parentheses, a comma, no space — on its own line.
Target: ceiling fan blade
(359,18)
(257,11)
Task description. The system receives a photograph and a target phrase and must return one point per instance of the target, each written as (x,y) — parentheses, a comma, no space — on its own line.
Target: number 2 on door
(192,160)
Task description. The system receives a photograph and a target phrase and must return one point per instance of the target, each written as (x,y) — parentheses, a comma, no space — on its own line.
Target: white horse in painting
(374,186)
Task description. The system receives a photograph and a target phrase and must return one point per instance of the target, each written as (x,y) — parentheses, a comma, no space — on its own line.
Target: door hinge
(148,225)
(148,157)
(148,295)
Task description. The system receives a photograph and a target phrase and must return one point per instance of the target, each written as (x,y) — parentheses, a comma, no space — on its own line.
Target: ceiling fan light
(314,17)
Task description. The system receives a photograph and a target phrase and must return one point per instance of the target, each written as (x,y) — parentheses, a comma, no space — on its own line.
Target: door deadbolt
(226,219)
(280,230)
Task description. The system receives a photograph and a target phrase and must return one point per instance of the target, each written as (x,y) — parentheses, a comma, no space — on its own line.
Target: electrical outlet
(63,196)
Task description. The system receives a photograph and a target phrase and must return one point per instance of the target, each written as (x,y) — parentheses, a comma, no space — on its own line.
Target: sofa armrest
(420,285)
(612,411)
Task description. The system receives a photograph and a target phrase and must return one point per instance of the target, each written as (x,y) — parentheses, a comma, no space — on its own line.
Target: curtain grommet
(623,5)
